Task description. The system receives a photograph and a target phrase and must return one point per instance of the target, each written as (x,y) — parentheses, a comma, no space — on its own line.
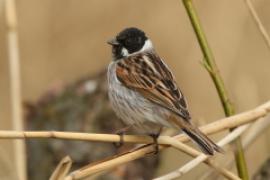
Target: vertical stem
(258,22)
(212,68)
(15,86)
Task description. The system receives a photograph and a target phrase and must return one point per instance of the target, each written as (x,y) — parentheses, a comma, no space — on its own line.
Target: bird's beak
(113,42)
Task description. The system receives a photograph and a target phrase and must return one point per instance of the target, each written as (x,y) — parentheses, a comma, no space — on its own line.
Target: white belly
(131,106)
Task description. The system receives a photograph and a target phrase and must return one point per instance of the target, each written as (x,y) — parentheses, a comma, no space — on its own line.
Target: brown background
(65,39)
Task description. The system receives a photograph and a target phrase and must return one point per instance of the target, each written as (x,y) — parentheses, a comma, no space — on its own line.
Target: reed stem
(210,65)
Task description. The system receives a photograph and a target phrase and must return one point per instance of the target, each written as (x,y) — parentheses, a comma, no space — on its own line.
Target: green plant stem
(210,65)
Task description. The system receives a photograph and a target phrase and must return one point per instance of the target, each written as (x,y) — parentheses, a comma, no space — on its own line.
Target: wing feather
(149,75)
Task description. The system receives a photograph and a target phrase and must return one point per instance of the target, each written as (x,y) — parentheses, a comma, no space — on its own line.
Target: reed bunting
(143,91)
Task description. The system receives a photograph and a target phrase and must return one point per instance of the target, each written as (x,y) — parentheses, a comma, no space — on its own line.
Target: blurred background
(63,44)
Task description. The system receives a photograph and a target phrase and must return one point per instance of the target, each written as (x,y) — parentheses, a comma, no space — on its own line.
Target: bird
(143,91)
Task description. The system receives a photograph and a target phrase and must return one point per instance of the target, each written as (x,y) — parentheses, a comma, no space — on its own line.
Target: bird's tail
(204,143)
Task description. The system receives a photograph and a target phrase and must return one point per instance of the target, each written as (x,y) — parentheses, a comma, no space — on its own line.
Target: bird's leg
(121,133)
(155,137)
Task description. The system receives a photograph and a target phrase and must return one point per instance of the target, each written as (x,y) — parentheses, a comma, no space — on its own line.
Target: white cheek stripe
(124,52)
(146,47)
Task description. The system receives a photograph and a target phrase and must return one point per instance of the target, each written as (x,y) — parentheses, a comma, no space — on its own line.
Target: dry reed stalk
(194,153)
(256,129)
(202,157)
(217,126)
(258,22)
(15,86)
(62,169)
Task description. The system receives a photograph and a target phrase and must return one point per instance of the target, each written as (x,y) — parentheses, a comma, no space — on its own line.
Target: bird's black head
(129,41)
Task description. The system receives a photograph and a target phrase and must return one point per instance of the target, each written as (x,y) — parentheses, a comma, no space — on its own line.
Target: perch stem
(219,84)
(232,121)
(214,127)
(217,126)
(202,157)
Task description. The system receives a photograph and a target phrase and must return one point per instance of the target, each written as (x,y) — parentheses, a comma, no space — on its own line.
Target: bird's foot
(155,142)
(121,134)
(121,139)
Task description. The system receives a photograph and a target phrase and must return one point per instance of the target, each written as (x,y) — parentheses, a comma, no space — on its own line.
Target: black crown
(132,39)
